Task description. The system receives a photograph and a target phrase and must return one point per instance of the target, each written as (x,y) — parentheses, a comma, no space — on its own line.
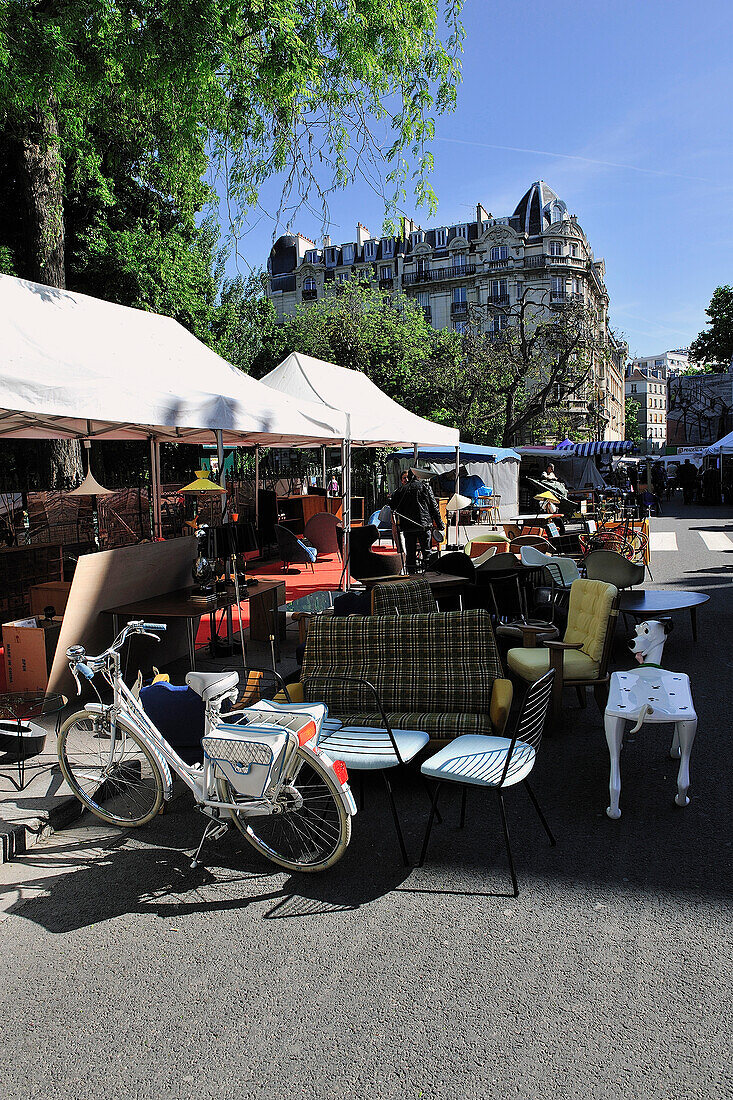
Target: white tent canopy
(72,366)
(373,419)
(723,446)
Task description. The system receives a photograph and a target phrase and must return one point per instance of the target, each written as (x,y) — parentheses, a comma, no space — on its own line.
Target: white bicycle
(261,770)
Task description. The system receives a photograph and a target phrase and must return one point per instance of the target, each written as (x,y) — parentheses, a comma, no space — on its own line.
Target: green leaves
(714,347)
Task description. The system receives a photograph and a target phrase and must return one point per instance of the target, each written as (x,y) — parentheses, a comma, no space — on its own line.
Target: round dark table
(657,601)
(19,734)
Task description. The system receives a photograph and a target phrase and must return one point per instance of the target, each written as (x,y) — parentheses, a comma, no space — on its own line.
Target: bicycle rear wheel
(310,829)
(121,782)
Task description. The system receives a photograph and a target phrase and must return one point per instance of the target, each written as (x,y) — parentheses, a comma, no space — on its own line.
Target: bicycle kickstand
(214,829)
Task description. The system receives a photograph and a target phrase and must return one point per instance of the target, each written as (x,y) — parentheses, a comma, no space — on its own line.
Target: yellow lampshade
(202,484)
(547,495)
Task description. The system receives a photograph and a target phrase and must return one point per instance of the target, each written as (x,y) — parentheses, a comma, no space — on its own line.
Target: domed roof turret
(535,209)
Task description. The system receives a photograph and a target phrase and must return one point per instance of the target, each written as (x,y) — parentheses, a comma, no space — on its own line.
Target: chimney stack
(481,214)
(362,234)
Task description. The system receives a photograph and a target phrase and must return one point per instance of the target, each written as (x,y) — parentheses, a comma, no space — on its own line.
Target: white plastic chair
(562,570)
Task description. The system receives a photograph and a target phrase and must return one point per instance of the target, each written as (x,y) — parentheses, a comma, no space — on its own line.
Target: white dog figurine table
(650,694)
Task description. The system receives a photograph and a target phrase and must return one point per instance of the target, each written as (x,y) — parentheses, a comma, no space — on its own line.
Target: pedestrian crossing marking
(716,540)
(662,540)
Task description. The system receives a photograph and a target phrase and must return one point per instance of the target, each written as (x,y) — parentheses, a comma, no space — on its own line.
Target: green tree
(714,346)
(384,335)
(632,412)
(293,88)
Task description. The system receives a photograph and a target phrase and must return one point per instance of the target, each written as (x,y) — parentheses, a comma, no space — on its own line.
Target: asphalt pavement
(127,974)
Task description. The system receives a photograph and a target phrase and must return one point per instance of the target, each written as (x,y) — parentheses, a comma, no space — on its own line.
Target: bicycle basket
(251,763)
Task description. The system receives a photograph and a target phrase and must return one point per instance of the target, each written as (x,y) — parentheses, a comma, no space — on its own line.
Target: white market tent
(72,366)
(373,419)
(723,446)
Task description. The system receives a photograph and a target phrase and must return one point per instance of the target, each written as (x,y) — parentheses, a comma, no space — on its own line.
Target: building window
(461,231)
(499,289)
(342,276)
(385,271)
(441,238)
(557,213)
(499,323)
(499,252)
(459,295)
(330,257)
(459,260)
(557,287)
(423,299)
(370,249)
(574,250)
(459,326)
(387,246)
(520,290)
(311,257)
(577,293)
(348,254)
(556,248)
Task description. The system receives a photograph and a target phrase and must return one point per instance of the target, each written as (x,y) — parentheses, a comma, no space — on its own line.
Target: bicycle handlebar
(88,666)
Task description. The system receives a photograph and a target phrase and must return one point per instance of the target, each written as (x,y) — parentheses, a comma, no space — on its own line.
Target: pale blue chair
(494,763)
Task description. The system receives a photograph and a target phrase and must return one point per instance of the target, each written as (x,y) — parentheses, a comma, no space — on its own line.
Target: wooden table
(438,582)
(648,603)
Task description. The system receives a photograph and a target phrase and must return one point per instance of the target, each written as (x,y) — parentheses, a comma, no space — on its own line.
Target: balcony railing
(436,274)
(568,261)
(534,261)
(386,284)
(494,265)
(459,309)
(498,299)
(310,295)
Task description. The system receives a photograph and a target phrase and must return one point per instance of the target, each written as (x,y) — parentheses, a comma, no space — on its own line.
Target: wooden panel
(263,600)
(115,577)
(53,594)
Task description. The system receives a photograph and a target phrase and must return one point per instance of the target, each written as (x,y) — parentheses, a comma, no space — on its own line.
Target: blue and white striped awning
(605,447)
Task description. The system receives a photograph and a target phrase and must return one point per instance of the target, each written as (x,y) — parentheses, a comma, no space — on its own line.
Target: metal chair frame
(527,731)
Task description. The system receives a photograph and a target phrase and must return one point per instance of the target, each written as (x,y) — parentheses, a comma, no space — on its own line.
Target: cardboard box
(51,594)
(30,645)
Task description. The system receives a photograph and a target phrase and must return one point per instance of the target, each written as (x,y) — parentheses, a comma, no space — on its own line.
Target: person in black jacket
(416,510)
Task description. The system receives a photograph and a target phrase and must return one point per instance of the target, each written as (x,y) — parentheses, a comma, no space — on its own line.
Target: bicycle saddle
(209,685)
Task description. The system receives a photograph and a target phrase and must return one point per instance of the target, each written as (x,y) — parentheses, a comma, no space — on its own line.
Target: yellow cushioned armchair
(581,658)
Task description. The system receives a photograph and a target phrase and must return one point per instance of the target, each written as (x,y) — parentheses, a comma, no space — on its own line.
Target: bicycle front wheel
(118,780)
(309,829)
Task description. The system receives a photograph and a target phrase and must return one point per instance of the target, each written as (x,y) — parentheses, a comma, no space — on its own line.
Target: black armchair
(292,550)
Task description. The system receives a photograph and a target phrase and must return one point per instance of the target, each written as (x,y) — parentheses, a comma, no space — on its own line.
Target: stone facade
(540,250)
(649,388)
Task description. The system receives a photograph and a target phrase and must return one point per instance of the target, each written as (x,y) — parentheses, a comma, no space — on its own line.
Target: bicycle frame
(200,779)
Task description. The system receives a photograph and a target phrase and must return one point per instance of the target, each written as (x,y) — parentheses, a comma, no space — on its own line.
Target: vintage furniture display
(21,568)
(292,550)
(581,659)
(653,602)
(494,763)
(439,673)
(322,531)
(21,735)
(363,562)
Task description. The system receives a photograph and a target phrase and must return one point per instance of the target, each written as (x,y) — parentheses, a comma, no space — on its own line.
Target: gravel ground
(126,974)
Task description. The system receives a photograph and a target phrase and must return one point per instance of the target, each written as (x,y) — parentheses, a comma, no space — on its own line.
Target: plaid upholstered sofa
(437,672)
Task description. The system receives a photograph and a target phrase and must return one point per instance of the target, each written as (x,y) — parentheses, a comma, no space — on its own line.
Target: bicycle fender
(347,798)
(100,708)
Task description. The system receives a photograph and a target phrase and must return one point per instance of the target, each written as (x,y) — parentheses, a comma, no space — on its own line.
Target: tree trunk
(42,178)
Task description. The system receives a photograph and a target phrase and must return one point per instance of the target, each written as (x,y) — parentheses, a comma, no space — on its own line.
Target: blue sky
(625,110)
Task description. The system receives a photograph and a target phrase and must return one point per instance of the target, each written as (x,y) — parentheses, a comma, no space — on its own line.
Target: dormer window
(331,257)
(462,231)
(387,246)
(418,237)
(370,249)
(348,254)
(441,238)
(311,257)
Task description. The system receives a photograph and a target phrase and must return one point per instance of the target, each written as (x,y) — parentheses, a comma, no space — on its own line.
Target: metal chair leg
(505,827)
(430,798)
(462,822)
(433,810)
(541,816)
(396,820)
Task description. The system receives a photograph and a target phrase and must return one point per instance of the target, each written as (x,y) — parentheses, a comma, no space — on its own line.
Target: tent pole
(155,488)
(222,473)
(257,487)
(346,506)
(323,468)
(457,492)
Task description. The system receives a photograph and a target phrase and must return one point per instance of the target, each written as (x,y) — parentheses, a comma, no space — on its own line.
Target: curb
(18,837)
